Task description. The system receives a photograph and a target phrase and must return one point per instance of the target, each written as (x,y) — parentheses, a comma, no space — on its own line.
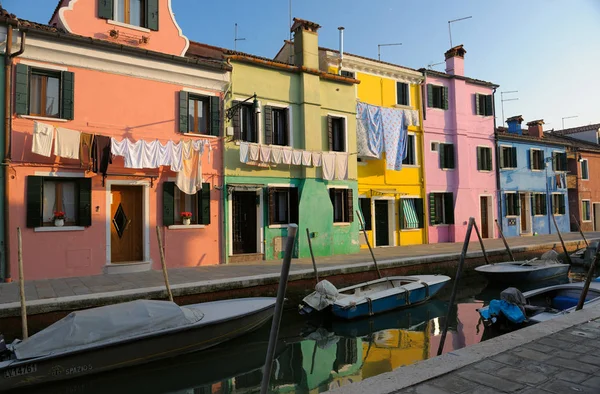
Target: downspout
(8,139)
(499,192)
(423,173)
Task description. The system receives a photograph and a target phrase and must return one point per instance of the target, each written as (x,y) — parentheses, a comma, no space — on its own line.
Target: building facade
(114,96)
(459,118)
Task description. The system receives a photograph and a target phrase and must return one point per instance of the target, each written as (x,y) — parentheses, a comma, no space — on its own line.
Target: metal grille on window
(120,221)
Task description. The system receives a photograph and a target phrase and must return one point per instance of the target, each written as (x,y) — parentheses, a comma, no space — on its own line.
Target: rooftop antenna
(450,30)
(502,100)
(568,117)
(291,23)
(384,45)
(432,65)
(236,39)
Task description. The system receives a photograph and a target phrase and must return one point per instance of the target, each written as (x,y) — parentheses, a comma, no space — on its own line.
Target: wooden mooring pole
(487,261)
(504,240)
(580,231)
(312,256)
(283,280)
(22,284)
(562,241)
(588,280)
(163,263)
(362,225)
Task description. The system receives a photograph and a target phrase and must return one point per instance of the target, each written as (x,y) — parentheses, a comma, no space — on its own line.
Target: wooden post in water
(362,224)
(22,285)
(588,280)
(312,256)
(561,241)
(487,261)
(504,240)
(580,232)
(283,280)
(163,263)
(461,262)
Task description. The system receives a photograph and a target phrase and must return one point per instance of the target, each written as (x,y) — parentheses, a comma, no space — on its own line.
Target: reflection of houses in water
(465,330)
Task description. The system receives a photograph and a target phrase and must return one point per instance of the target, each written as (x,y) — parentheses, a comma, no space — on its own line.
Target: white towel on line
(316,159)
(341,166)
(328,164)
(276,154)
(297,157)
(306,158)
(43,134)
(253,152)
(265,153)
(67,143)
(286,156)
(243,152)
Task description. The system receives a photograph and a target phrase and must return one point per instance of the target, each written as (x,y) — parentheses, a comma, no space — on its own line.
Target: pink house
(460,159)
(102,69)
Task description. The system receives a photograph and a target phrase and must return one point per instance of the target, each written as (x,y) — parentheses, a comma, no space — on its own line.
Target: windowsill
(185,226)
(559,214)
(410,230)
(411,165)
(508,168)
(447,169)
(440,225)
(541,216)
(34,117)
(437,109)
(341,224)
(485,171)
(511,216)
(586,221)
(361,163)
(200,135)
(402,106)
(279,225)
(536,170)
(585,179)
(51,229)
(128,26)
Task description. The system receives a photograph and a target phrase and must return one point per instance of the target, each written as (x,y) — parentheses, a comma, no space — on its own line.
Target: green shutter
(268,125)
(105,9)
(431,209)
(183,111)
(517,204)
(489,159)
(401,214)
(477,106)
(501,150)
(330,132)
(152,14)
(479,158)
(449,208)
(533,206)
(442,149)
(350,197)
(168,203)
(445,98)
(35,187)
(236,122)
(205,203)
(84,217)
(215,115)
(489,108)
(419,210)
(293,205)
(542,161)
(271,204)
(450,155)
(67,81)
(430,95)
(22,90)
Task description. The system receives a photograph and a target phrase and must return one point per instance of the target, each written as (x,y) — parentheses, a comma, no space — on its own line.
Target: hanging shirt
(189,179)
(86,143)
(67,143)
(394,137)
(101,154)
(118,148)
(176,156)
(341,166)
(328,165)
(316,159)
(43,134)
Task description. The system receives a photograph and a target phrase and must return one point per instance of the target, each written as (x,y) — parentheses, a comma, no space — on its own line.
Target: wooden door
(596,216)
(523,205)
(382,228)
(126,239)
(485,222)
(244,222)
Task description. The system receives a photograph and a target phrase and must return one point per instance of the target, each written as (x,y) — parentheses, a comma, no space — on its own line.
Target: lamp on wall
(255,105)
(580,159)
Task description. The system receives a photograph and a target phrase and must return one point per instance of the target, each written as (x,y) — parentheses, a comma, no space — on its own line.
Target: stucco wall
(589,190)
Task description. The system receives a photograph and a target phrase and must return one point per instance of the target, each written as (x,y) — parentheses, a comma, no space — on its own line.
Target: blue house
(532,169)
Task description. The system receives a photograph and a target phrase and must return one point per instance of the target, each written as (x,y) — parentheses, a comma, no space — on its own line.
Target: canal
(312,356)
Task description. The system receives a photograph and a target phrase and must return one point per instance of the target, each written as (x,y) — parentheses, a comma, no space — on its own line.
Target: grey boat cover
(106,324)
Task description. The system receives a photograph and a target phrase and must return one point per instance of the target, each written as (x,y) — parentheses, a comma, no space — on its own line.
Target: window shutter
(22,90)
(545,204)
(502,157)
(533,206)
(365,208)
(517,204)
(450,155)
(431,209)
(236,122)
(215,116)
(442,149)
(449,208)
(542,161)
(293,205)
(105,9)
(479,159)
(513,153)
(152,14)
(84,217)
(168,203)
(268,125)
(430,95)
(562,209)
(419,210)
(401,214)
(205,203)
(563,161)
(350,197)
(532,159)
(183,111)
(35,187)
(489,159)
(477,106)
(271,203)
(67,81)
(330,132)
(489,109)
(445,98)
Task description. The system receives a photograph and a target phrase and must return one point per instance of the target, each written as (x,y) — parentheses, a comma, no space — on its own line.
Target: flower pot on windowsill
(59,222)
(187,221)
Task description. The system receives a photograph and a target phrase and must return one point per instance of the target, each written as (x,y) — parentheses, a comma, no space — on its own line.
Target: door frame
(490,211)
(259,190)
(528,215)
(391,219)
(145,224)
(593,215)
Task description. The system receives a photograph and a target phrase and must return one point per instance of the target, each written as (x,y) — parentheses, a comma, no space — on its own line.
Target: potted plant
(186,217)
(59,218)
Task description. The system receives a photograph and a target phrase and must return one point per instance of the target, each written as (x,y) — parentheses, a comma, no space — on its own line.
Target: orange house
(106,71)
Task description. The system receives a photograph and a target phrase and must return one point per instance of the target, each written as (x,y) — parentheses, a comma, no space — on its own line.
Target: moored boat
(534,270)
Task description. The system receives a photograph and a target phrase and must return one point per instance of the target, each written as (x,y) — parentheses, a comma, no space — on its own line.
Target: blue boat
(377,296)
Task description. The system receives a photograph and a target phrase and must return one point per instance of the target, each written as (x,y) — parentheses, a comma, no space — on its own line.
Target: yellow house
(392,202)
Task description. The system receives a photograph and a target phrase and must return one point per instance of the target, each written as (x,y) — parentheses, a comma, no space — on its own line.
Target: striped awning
(411,220)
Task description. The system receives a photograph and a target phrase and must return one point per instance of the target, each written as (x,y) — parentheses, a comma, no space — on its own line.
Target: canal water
(312,356)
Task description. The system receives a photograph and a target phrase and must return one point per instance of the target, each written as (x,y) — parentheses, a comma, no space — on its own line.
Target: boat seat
(564,302)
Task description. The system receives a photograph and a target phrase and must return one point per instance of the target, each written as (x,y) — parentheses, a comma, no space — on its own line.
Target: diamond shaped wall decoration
(120,221)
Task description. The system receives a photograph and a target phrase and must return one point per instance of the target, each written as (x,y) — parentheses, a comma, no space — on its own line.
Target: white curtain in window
(50,205)
(49,201)
(120,11)
(35,98)
(68,201)
(184,203)
(135,12)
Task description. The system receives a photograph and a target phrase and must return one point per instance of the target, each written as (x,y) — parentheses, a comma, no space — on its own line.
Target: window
(441,208)
(558,204)
(132,12)
(484,158)
(337,133)
(512,204)
(276,126)
(44,93)
(411,213)
(283,205)
(175,202)
(341,199)
(538,204)
(411,151)
(435,146)
(402,93)
(244,123)
(46,195)
(536,159)
(446,156)
(586,211)
(365,209)
(437,96)
(483,105)
(508,157)
(559,161)
(347,74)
(584,170)
(198,115)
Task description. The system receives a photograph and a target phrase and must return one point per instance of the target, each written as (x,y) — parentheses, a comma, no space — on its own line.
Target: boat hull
(534,275)
(135,352)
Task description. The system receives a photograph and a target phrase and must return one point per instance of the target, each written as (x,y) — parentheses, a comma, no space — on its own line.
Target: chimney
(536,128)
(341,29)
(514,124)
(306,43)
(455,60)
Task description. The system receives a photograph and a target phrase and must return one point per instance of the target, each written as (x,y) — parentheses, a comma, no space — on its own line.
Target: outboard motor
(514,296)
(324,295)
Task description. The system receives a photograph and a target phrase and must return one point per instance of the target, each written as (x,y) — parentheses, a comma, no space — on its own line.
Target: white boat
(534,270)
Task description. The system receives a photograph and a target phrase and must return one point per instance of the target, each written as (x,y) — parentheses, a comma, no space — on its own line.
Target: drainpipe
(499,192)
(423,172)
(8,139)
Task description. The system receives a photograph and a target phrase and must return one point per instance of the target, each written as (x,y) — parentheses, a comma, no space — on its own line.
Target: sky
(547,50)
